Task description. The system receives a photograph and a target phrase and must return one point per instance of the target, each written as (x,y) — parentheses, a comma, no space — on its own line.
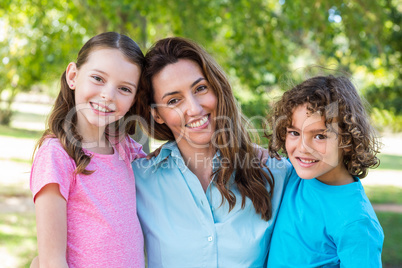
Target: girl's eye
(293,133)
(97,78)
(320,137)
(125,89)
(201,88)
(172,101)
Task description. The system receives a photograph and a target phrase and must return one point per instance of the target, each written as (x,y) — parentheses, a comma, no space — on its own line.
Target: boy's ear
(347,149)
(156,116)
(71,74)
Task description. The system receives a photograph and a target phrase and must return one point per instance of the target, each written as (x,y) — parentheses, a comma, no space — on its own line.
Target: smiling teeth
(307,161)
(100,108)
(198,123)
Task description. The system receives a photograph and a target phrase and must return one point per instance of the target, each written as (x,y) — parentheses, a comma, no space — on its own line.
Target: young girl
(326,219)
(81,179)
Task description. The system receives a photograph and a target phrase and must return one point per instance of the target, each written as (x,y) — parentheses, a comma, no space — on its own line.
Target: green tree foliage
(258,42)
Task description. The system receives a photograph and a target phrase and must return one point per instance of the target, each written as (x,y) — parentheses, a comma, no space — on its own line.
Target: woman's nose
(194,106)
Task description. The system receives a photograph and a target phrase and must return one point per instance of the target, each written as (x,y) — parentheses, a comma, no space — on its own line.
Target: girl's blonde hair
(338,101)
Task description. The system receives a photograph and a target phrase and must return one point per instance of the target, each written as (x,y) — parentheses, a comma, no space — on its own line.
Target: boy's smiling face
(314,150)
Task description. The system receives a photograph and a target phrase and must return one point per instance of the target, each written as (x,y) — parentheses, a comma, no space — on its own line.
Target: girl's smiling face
(186,103)
(313,149)
(104,86)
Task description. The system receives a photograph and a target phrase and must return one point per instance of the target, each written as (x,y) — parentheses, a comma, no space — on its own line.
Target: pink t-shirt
(102,224)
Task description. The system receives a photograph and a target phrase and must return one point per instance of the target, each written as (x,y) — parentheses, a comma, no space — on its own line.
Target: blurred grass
(384,194)
(19,133)
(21,116)
(390,162)
(392,249)
(18,238)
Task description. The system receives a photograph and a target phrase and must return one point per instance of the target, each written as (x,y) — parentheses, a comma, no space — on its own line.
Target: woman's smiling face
(185,102)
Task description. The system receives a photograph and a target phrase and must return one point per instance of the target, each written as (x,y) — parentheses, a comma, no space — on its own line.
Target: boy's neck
(339,177)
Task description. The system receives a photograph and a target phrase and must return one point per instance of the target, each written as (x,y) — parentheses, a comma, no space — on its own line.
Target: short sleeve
(52,165)
(359,244)
(134,149)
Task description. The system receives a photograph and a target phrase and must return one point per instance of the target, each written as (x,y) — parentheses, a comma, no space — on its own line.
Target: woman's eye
(201,88)
(172,101)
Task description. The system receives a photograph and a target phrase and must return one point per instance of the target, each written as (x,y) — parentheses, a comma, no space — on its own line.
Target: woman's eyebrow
(169,94)
(197,81)
(175,92)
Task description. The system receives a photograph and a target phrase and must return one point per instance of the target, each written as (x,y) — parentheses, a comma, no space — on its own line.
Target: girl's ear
(156,116)
(71,74)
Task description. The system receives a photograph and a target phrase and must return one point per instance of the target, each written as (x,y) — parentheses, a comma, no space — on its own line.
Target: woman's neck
(199,161)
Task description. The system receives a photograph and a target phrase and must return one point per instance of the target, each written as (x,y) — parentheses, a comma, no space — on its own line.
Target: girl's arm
(51,225)
(35,263)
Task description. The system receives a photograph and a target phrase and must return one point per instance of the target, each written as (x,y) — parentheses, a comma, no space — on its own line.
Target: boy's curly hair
(338,101)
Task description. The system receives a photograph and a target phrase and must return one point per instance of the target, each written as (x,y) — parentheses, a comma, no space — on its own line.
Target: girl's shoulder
(52,164)
(52,146)
(129,148)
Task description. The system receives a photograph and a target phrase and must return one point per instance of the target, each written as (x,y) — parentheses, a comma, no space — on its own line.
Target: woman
(205,200)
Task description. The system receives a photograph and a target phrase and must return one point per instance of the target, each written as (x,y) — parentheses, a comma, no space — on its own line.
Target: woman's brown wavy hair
(62,121)
(250,179)
(337,100)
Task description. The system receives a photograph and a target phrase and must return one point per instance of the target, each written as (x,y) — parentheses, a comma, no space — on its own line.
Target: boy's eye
(293,133)
(320,137)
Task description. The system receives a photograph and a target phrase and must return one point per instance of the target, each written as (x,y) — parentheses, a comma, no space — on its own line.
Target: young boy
(325,219)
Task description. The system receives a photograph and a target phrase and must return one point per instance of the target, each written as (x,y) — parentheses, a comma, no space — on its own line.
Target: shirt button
(202,202)
(210,238)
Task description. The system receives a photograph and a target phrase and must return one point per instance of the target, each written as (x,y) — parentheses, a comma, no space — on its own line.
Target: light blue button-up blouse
(185,227)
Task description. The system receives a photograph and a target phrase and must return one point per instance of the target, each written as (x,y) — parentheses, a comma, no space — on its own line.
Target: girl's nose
(107,93)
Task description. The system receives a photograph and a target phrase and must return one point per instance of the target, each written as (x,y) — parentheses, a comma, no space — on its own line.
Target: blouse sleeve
(52,165)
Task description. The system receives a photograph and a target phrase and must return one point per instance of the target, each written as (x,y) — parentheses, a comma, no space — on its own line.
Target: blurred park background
(265,47)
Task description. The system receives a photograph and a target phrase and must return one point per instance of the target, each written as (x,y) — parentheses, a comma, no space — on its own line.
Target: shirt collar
(170,149)
(216,161)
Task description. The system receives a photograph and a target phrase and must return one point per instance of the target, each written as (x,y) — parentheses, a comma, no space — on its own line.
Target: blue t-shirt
(187,227)
(320,225)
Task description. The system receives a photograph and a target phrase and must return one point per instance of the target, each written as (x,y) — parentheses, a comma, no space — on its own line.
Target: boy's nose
(302,146)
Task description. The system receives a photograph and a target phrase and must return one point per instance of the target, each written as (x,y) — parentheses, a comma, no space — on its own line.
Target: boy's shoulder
(347,203)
